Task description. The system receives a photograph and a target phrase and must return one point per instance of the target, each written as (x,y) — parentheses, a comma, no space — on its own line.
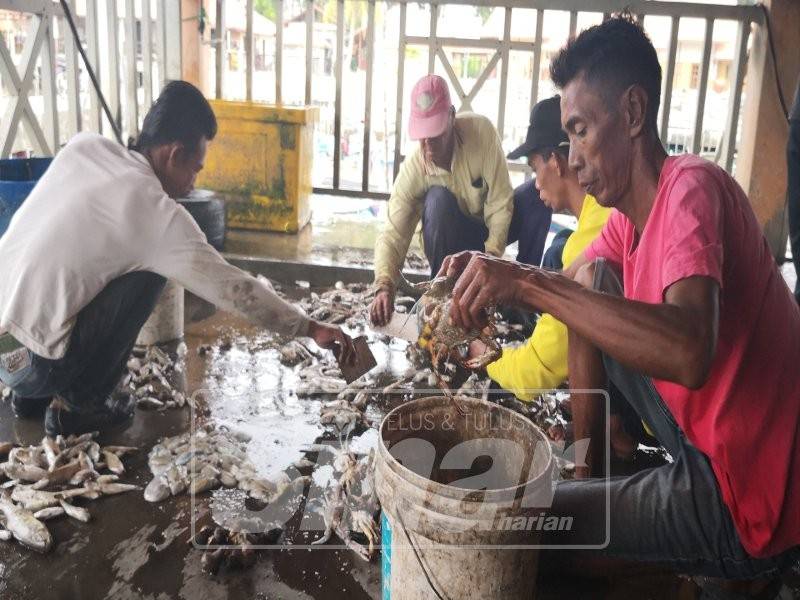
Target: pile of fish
(42,482)
(347,304)
(206,459)
(149,378)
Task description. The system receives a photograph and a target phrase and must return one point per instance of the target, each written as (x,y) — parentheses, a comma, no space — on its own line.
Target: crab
(443,339)
(342,509)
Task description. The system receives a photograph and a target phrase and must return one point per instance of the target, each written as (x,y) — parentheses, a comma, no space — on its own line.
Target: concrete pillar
(195,51)
(761,160)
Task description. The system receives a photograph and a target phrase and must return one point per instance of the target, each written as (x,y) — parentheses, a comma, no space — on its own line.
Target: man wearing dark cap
(541,363)
(456,182)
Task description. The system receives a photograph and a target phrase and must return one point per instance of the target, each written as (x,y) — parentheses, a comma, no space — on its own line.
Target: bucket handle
(439,595)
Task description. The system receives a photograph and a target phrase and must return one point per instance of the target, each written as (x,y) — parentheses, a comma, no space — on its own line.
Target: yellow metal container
(261,162)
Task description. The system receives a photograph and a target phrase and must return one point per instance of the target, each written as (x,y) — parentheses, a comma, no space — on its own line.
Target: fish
(148,402)
(121,450)
(203,484)
(26,529)
(76,512)
(51,452)
(28,473)
(226,479)
(109,489)
(157,490)
(83,476)
(64,473)
(51,512)
(113,462)
(177,480)
(34,500)
(93,452)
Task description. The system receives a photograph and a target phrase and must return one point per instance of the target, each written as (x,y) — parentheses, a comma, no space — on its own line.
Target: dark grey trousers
(99,346)
(673,515)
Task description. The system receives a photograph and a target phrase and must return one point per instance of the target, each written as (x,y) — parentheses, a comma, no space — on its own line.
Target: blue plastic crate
(17,178)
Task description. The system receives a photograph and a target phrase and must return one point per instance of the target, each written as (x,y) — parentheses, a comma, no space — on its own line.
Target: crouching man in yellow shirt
(541,363)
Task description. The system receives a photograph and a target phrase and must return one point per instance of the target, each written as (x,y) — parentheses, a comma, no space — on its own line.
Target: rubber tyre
(208,210)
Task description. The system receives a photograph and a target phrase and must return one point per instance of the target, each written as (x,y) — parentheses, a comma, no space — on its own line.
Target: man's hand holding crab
(483,282)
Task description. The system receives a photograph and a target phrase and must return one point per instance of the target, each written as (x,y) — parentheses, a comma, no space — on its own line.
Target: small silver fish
(76,512)
(46,514)
(113,462)
(157,490)
(25,472)
(26,528)
(34,500)
(203,484)
(121,450)
(148,402)
(109,489)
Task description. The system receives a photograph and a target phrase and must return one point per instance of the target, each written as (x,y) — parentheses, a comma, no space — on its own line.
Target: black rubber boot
(27,408)
(63,420)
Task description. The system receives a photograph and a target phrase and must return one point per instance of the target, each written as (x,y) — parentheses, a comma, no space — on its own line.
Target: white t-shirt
(98,213)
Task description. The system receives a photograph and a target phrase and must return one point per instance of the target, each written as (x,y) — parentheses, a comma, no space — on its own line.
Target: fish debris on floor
(231,549)
(348,304)
(149,377)
(42,482)
(350,503)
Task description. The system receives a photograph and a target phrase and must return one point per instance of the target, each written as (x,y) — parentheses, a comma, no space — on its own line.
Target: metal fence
(500,48)
(131,44)
(357,60)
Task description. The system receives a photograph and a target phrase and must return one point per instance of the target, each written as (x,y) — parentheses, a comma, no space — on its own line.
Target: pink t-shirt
(745,418)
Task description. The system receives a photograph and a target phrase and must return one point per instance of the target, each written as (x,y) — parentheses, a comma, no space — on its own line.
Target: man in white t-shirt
(88,253)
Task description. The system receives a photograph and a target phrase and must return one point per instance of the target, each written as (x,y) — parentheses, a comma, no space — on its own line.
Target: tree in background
(266,8)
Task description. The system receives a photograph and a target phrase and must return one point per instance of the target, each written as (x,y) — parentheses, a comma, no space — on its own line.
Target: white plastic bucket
(165,323)
(459,540)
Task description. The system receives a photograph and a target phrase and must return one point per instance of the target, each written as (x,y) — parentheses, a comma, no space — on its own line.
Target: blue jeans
(446,230)
(99,346)
(672,515)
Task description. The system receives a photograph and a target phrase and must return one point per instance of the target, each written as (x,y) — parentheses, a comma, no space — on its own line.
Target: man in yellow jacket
(457,184)
(541,363)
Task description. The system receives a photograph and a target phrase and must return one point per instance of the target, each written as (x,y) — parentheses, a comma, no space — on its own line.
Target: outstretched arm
(673,341)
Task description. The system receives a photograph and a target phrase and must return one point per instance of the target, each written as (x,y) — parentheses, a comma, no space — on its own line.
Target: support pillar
(195,47)
(761,160)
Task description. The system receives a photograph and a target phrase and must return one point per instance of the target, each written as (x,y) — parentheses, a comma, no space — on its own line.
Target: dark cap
(545,131)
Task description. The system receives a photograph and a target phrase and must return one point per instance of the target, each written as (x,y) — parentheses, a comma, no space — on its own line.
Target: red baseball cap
(430,108)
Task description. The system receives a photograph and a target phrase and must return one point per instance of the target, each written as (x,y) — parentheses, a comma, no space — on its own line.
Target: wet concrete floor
(136,550)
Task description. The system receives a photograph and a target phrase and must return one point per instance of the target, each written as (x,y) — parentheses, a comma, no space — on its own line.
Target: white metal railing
(439,46)
(132,45)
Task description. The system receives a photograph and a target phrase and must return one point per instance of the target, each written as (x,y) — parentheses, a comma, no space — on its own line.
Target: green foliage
(266,8)
(484,12)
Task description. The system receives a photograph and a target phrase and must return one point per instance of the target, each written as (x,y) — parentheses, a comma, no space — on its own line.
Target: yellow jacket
(478,178)
(541,363)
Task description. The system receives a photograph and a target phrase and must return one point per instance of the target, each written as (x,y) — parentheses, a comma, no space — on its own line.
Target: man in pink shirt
(701,336)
